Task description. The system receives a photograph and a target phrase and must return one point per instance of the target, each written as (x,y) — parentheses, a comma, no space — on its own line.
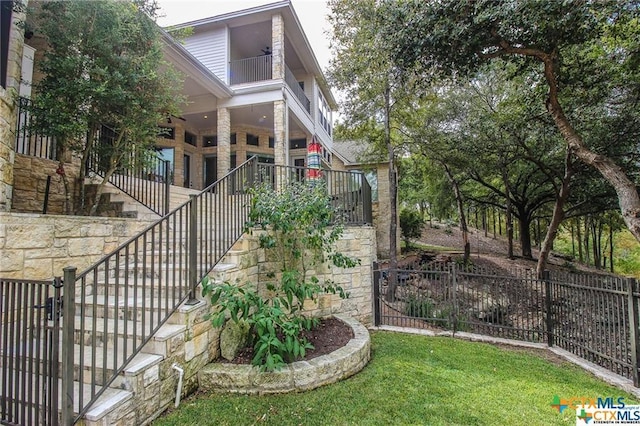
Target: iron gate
(30,313)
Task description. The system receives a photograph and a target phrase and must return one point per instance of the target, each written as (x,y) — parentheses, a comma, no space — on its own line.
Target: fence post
(193,247)
(548,299)
(454,291)
(633,325)
(167,187)
(376,295)
(68,317)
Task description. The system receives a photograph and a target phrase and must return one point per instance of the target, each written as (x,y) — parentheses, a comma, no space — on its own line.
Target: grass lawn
(416,380)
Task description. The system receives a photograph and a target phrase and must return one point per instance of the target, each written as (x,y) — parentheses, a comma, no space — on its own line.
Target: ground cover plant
(415,379)
(299,233)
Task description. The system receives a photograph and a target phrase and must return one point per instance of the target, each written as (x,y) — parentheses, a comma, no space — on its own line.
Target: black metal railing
(28,141)
(350,191)
(250,70)
(143,175)
(293,84)
(29,351)
(123,300)
(592,316)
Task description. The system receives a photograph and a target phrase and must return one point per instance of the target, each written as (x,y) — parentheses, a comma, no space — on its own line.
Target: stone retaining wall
(38,247)
(298,376)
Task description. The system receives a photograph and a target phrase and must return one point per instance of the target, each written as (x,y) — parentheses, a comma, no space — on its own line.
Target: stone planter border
(298,376)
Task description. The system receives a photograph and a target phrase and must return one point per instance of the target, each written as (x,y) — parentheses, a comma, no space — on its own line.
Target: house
(136,316)
(253,88)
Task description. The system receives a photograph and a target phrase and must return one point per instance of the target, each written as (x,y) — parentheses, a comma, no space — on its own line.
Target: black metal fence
(28,141)
(350,192)
(143,175)
(592,316)
(29,351)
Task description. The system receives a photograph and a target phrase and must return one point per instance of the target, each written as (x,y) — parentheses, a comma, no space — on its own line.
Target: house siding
(210,48)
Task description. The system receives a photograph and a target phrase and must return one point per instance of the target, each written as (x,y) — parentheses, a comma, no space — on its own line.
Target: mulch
(330,335)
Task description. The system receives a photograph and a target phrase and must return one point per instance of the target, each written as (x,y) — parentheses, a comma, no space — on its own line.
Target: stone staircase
(121,304)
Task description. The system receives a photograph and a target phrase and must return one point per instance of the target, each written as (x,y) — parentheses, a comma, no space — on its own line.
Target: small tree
(411,223)
(299,237)
(103,66)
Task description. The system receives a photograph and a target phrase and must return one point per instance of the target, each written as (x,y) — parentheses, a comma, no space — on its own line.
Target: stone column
(224,142)
(281,133)
(9,111)
(277,46)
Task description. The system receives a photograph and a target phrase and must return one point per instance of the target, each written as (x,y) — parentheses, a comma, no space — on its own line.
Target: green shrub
(299,232)
(411,223)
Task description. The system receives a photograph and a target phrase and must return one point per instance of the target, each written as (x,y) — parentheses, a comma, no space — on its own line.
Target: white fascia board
(188,64)
(234,15)
(254,98)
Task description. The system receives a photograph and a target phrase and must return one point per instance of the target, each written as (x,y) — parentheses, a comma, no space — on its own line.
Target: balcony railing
(293,84)
(249,70)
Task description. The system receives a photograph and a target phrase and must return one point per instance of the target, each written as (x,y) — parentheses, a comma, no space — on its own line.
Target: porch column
(277,46)
(224,142)
(281,133)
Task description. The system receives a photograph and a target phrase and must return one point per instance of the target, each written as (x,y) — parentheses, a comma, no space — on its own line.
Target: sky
(311,13)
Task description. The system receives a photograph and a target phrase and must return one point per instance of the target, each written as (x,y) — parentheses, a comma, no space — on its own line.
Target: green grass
(416,380)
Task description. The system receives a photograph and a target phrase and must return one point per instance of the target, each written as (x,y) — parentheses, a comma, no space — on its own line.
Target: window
(324,113)
(272,142)
(210,140)
(233,138)
(190,138)
(297,143)
(167,132)
(252,140)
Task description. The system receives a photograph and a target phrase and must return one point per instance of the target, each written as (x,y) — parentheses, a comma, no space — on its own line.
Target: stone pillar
(9,111)
(224,142)
(277,46)
(281,133)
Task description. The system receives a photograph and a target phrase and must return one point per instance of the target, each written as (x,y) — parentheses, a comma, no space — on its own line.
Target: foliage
(298,233)
(413,380)
(104,66)
(411,223)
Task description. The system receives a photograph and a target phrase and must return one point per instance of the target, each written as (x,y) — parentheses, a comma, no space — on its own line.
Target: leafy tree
(374,93)
(577,46)
(104,66)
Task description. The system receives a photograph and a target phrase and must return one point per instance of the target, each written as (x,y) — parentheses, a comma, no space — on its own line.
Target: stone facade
(38,247)
(30,178)
(252,267)
(8,111)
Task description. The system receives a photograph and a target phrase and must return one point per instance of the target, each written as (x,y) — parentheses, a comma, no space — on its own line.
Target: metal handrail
(349,191)
(145,177)
(293,84)
(29,142)
(133,291)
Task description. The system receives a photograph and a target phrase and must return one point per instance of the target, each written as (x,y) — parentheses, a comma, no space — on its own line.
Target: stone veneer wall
(34,246)
(30,179)
(8,111)
(358,242)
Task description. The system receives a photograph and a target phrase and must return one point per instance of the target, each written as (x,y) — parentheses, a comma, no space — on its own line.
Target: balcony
(259,68)
(249,70)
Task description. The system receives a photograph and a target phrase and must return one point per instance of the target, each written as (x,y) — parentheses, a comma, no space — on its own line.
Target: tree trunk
(611,245)
(525,236)
(508,218)
(463,220)
(556,217)
(393,226)
(628,197)
(579,239)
